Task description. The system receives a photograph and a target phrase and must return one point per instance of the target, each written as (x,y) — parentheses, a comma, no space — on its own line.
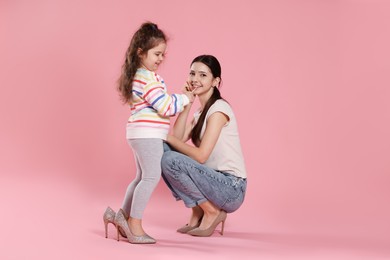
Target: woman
(209,177)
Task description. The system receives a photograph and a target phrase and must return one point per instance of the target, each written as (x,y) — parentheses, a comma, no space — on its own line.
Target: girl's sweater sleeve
(165,105)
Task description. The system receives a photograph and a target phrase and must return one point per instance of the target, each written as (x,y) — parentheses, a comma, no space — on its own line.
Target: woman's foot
(212,216)
(208,218)
(194,222)
(196,216)
(209,230)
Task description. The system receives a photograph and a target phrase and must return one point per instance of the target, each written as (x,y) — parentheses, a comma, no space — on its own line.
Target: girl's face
(153,57)
(201,79)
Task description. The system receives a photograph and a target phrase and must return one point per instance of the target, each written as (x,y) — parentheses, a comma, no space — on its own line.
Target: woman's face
(201,79)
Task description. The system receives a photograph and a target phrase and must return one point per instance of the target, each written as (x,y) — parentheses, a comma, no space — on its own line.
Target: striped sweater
(152,106)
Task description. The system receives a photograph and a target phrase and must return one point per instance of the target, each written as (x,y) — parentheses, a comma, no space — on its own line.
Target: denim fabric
(195,183)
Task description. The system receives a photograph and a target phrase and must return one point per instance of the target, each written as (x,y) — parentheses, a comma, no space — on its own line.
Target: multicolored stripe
(152,106)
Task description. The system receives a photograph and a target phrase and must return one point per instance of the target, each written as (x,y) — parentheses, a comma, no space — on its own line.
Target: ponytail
(145,38)
(195,133)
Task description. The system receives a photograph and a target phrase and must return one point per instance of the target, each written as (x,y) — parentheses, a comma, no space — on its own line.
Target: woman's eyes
(202,75)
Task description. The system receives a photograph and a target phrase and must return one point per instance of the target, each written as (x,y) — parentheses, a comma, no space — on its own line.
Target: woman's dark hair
(213,64)
(145,38)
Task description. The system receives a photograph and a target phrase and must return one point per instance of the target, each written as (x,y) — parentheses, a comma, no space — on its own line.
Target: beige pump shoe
(210,230)
(184,229)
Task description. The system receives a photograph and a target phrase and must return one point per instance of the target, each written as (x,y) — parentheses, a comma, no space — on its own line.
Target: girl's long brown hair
(145,38)
(211,62)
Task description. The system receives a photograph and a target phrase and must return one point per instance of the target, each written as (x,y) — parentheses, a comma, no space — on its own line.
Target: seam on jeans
(177,172)
(235,182)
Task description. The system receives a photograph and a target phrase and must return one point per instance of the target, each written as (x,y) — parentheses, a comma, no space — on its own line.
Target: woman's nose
(194,78)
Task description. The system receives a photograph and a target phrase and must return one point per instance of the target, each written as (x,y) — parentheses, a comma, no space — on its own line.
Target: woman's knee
(166,147)
(167,160)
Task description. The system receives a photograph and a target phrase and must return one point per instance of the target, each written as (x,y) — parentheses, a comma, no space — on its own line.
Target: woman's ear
(216,82)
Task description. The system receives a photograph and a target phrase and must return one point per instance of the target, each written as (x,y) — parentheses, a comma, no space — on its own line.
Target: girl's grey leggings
(147,154)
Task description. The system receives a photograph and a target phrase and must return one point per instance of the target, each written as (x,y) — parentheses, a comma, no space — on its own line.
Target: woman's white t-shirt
(227,154)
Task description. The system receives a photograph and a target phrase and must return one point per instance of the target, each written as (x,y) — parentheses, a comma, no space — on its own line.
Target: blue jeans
(195,183)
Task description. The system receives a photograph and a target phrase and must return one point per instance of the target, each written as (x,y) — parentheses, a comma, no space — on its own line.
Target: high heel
(210,230)
(184,229)
(109,217)
(121,222)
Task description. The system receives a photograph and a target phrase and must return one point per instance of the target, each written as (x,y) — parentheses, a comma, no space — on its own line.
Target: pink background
(309,83)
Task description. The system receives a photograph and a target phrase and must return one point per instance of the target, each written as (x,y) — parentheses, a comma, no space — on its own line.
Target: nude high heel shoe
(121,222)
(109,217)
(184,229)
(210,230)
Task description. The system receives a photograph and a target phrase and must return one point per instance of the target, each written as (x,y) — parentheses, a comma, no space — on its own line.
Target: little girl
(148,125)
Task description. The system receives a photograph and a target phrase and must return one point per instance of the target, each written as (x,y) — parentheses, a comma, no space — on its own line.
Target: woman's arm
(181,129)
(215,123)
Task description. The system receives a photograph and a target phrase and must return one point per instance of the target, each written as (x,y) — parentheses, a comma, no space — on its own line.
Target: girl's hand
(190,88)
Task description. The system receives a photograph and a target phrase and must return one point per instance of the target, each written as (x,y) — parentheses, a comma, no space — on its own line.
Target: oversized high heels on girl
(109,217)
(121,222)
(210,230)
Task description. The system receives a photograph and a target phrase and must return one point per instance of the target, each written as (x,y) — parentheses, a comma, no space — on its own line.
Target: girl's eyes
(192,73)
(203,75)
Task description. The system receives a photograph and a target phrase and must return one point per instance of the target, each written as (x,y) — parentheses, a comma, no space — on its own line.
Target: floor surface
(58,219)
